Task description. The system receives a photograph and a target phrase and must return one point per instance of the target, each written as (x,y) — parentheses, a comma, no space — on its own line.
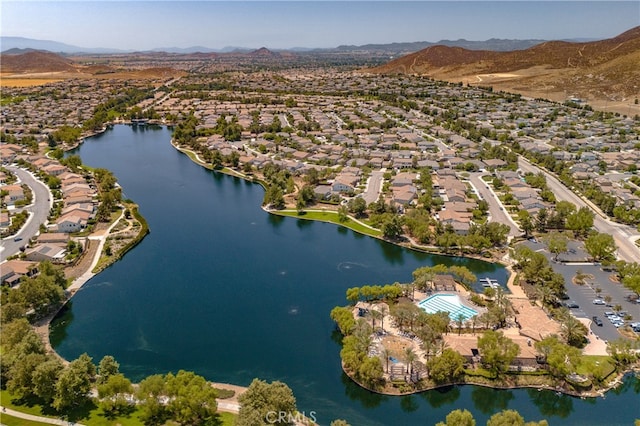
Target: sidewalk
(35,418)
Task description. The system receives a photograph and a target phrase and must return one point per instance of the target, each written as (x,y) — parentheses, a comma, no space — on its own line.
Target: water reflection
(489,400)
(302,223)
(393,253)
(59,324)
(551,404)
(275,220)
(363,396)
(409,403)
(442,396)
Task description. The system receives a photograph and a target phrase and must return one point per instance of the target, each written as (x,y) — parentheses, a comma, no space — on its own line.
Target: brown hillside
(35,62)
(599,70)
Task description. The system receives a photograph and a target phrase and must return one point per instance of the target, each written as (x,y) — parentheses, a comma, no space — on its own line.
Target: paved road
(584,295)
(622,234)
(374,186)
(39,210)
(496,210)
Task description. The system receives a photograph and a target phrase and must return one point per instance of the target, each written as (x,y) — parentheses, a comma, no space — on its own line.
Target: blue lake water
(224,289)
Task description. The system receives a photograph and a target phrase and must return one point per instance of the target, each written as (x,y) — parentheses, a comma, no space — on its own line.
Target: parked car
(597,321)
(598,302)
(571,305)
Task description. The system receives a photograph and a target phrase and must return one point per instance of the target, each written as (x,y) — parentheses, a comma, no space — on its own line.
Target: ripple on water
(346,266)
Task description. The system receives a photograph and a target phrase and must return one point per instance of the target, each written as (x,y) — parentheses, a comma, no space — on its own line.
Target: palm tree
(474,322)
(545,294)
(375,315)
(410,357)
(386,353)
(572,330)
(459,322)
(384,310)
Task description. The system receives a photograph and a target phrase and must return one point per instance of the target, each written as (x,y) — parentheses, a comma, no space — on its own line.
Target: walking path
(40,419)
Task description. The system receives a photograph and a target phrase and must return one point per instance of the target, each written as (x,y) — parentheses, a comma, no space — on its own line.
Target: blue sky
(285,24)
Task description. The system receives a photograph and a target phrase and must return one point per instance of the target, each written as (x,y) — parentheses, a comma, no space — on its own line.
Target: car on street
(16,239)
(571,305)
(599,302)
(597,321)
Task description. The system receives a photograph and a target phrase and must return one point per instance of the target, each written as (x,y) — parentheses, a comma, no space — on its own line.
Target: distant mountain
(8,43)
(587,68)
(491,44)
(34,61)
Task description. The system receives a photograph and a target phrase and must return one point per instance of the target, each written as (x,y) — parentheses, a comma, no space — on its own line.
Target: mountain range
(8,43)
(606,70)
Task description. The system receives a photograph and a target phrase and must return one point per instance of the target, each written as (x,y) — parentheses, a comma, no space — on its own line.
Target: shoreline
(80,281)
(42,327)
(408,243)
(619,379)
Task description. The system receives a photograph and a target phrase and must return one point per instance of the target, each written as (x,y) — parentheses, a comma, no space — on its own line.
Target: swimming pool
(449,303)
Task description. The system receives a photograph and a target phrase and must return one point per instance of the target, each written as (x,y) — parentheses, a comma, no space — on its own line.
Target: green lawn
(89,414)
(331,217)
(590,363)
(7,420)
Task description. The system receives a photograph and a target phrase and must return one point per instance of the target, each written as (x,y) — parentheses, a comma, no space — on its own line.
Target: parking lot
(584,295)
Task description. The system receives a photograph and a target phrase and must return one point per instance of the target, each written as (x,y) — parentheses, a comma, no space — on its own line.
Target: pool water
(450,303)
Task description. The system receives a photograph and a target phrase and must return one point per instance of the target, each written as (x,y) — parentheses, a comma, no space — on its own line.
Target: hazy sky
(284,24)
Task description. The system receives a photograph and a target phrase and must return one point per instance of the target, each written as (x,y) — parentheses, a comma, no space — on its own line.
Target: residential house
(50,252)
(13,270)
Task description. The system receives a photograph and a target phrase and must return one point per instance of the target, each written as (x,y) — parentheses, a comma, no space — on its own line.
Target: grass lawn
(590,363)
(89,414)
(331,217)
(7,420)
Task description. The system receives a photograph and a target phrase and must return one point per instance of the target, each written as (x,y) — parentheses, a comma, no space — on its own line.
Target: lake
(222,288)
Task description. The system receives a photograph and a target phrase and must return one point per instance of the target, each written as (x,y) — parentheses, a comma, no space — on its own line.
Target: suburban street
(496,210)
(622,234)
(39,210)
(374,185)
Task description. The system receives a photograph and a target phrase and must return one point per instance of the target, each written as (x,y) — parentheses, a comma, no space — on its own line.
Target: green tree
(581,221)
(74,384)
(506,418)
(107,367)
(458,418)
(392,228)
(600,246)
(113,394)
(446,368)
(191,399)
(20,381)
(357,206)
(526,223)
(497,351)
(151,394)
(344,319)
(573,331)
(260,399)
(557,244)
(45,377)
(370,371)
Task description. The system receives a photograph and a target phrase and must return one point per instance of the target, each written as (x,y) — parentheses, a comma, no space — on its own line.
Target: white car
(598,302)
